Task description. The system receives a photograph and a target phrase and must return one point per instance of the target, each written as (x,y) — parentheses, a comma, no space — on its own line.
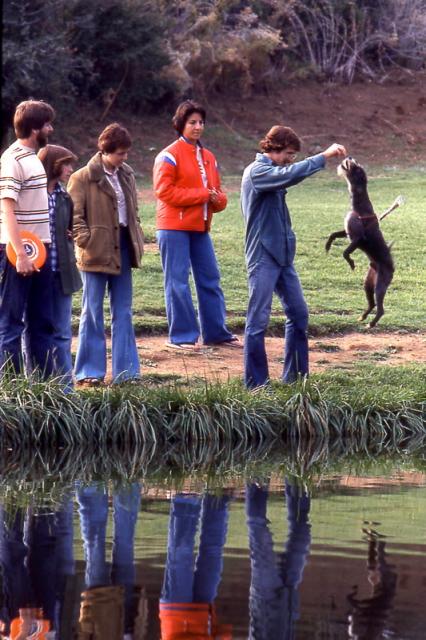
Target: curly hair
(279,138)
(114,137)
(184,111)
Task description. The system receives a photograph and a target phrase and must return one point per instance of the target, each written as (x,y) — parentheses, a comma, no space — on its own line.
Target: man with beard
(25,290)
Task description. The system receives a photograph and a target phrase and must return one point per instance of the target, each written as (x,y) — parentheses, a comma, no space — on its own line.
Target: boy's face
(285,156)
(66,171)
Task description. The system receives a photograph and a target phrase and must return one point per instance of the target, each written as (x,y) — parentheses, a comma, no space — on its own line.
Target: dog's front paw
(351,263)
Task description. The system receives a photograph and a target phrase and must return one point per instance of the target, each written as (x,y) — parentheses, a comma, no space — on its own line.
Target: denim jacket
(267,218)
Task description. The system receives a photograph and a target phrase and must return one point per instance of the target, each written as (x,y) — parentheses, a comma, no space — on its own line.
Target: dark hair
(184,110)
(31,114)
(114,137)
(279,138)
(53,157)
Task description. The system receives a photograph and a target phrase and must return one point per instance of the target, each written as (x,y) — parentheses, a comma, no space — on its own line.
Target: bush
(36,57)
(120,49)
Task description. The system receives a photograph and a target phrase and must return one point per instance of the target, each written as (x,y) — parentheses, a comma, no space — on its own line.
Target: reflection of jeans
(62,335)
(265,278)
(93,507)
(275,577)
(180,252)
(29,296)
(91,353)
(183,583)
(36,555)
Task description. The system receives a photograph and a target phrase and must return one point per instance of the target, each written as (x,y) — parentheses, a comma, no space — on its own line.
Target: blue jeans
(183,582)
(36,556)
(93,508)
(26,301)
(265,278)
(62,334)
(275,577)
(91,359)
(182,251)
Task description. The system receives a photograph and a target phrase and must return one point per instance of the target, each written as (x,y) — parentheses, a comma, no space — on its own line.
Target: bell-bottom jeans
(182,252)
(91,358)
(265,278)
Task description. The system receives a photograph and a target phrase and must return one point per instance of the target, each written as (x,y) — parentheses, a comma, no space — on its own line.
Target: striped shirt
(23,179)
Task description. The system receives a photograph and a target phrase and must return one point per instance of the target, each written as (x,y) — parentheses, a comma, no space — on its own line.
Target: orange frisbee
(34,248)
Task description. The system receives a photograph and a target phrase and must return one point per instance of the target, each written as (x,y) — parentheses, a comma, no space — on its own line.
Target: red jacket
(179,188)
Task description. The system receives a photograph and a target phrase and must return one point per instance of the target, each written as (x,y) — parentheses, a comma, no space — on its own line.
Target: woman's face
(194,127)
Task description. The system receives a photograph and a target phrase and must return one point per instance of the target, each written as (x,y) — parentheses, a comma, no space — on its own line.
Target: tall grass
(134,419)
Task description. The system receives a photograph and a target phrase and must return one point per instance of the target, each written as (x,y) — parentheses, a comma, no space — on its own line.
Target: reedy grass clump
(180,416)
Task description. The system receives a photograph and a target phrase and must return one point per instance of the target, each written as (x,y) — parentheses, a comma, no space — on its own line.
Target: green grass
(334,293)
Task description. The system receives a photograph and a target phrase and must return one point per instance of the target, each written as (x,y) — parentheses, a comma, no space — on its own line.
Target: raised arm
(267,177)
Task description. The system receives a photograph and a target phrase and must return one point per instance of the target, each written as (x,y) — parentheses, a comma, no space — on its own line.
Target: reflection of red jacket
(36,628)
(191,621)
(179,188)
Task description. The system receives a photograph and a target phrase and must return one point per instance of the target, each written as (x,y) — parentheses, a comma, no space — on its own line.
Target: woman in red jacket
(187,186)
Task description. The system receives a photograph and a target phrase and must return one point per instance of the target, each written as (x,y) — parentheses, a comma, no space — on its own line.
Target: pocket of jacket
(99,247)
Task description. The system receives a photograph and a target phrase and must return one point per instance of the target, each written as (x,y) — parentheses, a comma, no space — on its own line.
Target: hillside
(380,124)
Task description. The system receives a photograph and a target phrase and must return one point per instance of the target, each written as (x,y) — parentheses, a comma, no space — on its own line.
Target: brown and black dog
(362,229)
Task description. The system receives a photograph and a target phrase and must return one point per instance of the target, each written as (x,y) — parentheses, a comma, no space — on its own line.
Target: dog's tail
(400,200)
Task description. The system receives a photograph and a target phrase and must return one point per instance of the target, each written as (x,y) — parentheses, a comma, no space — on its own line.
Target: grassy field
(334,293)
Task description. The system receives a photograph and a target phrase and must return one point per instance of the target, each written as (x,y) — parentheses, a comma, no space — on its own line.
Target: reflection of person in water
(275,577)
(189,590)
(368,617)
(36,557)
(109,604)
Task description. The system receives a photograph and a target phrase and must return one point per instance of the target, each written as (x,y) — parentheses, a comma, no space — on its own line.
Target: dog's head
(353,173)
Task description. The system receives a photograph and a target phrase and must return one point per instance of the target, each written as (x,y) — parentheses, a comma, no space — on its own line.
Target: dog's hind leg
(332,237)
(384,278)
(369,287)
(347,253)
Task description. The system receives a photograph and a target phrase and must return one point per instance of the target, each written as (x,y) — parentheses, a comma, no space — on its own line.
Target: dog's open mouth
(346,165)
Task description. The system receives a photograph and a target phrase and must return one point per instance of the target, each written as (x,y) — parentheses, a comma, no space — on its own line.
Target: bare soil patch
(331,352)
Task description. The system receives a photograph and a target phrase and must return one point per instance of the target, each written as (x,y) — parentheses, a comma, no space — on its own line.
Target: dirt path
(342,351)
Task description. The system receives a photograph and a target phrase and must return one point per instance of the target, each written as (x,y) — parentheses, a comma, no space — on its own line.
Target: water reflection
(275,577)
(109,604)
(264,560)
(369,616)
(36,555)
(190,585)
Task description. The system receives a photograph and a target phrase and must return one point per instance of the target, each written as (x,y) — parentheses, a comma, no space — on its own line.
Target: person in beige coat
(109,243)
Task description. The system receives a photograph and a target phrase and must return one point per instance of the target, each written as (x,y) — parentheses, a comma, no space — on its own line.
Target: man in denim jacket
(270,249)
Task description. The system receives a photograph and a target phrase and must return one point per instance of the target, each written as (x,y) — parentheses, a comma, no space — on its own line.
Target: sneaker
(234,342)
(183,346)
(90,382)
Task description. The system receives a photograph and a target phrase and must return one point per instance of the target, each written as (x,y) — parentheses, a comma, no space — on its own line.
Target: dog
(362,229)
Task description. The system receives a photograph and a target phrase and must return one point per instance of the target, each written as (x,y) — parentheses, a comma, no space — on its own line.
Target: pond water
(266,558)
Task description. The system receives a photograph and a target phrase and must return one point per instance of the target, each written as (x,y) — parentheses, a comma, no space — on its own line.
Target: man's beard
(41,139)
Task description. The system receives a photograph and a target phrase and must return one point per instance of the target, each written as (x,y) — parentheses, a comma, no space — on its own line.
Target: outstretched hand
(335,151)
